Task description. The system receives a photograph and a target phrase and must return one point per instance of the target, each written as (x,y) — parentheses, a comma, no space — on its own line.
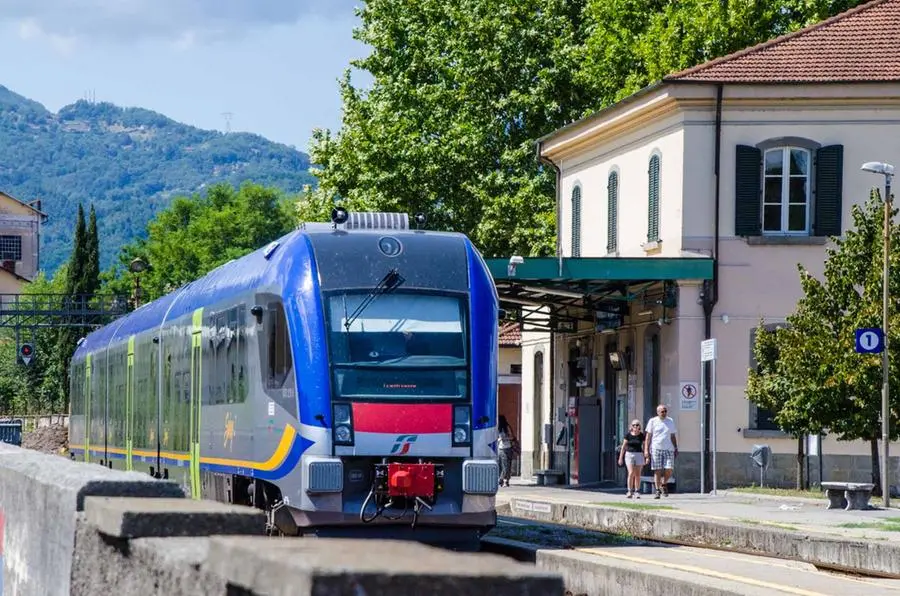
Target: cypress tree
(92,269)
(79,259)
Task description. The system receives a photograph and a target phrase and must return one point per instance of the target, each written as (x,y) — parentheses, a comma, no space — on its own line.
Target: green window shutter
(612,189)
(576,221)
(829,190)
(653,216)
(747,191)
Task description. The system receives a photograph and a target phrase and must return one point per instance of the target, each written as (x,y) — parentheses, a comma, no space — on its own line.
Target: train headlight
(342,421)
(462,426)
(342,435)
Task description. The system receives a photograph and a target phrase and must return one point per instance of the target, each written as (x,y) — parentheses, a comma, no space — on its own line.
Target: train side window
(279,356)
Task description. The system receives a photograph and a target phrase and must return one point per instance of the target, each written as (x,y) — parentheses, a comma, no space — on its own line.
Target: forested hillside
(129,163)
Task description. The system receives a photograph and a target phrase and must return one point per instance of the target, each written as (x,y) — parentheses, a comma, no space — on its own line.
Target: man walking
(661,443)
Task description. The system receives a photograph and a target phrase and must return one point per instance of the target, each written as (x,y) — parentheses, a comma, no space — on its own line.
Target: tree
(461,90)
(195,235)
(92,266)
(818,381)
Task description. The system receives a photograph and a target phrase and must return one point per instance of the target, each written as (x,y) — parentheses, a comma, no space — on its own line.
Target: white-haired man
(660,442)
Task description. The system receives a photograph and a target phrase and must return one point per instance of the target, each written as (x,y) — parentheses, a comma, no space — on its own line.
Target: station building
(683,213)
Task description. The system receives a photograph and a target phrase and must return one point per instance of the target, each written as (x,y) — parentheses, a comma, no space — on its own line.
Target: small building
(20,235)
(683,212)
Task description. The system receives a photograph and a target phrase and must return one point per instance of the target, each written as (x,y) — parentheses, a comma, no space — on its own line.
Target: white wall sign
(707,350)
(689,396)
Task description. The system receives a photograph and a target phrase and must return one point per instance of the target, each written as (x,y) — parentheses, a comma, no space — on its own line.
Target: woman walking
(505,447)
(631,454)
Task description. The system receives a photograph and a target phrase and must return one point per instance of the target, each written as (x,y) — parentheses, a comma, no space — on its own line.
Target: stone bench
(848,495)
(548,477)
(648,485)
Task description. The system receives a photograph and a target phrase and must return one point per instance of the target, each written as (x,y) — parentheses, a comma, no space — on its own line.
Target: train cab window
(279,347)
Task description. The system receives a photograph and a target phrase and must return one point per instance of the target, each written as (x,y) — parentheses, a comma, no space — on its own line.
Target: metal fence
(30,423)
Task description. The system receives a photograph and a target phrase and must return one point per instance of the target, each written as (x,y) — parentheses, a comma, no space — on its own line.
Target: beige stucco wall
(535,401)
(755,280)
(630,156)
(507,357)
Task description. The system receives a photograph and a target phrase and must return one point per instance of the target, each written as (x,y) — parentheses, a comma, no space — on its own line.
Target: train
(342,378)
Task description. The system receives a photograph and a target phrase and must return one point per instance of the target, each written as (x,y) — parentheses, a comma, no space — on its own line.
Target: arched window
(576,221)
(612,201)
(653,200)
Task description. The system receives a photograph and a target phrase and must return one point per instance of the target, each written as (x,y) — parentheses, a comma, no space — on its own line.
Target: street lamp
(137,266)
(886,170)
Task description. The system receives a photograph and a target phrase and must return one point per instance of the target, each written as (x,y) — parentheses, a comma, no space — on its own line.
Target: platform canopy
(597,290)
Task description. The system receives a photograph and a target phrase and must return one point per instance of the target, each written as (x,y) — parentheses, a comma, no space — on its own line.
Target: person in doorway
(660,441)
(505,447)
(632,457)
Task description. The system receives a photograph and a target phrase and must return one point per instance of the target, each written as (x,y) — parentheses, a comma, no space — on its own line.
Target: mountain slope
(128,162)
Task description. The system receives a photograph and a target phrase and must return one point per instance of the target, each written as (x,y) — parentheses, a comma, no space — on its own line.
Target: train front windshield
(398,346)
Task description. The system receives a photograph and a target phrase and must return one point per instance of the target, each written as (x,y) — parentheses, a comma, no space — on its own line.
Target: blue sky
(274,64)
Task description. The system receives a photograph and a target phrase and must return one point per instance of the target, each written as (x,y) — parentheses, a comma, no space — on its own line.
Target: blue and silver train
(342,378)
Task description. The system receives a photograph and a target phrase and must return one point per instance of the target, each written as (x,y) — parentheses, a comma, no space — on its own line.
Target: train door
(87,409)
(129,406)
(196,358)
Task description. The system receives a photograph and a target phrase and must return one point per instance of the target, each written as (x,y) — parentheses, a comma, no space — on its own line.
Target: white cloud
(30,29)
(183,22)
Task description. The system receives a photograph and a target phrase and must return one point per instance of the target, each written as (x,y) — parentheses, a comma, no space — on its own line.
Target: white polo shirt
(661,432)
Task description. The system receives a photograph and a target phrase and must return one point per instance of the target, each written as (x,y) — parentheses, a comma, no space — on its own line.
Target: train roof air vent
(372,220)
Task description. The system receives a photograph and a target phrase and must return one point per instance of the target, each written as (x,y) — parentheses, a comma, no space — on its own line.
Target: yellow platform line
(768,562)
(701,571)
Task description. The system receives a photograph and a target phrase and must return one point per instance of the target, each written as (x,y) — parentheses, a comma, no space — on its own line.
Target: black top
(634,443)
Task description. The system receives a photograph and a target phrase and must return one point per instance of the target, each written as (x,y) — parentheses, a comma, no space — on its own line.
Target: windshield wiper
(388,283)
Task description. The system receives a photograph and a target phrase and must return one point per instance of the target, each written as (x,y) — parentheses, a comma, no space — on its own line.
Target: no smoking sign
(688,396)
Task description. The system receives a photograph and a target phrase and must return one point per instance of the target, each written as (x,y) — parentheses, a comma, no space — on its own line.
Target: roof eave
(599,114)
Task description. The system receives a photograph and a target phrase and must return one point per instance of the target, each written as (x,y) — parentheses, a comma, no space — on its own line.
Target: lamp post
(137,266)
(886,170)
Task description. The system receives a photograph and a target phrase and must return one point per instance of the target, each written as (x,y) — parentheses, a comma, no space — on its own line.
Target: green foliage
(809,370)
(129,163)
(195,235)
(462,89)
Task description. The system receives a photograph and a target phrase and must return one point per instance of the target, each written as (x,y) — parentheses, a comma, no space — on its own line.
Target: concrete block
(40,495)
(311,566)
(146,566)
(131,517)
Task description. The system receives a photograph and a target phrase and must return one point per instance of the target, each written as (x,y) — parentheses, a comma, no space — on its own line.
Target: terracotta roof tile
(510,335)
(859,45)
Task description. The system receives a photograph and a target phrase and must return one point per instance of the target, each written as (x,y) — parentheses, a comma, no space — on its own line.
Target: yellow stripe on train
(281,453)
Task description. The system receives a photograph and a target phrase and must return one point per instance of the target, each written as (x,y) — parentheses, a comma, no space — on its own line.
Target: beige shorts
(633,458)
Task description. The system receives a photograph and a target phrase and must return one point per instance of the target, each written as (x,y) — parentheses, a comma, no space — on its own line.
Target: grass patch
(638,506)
(553,537)
(779,492)
(887,525)
(759,522)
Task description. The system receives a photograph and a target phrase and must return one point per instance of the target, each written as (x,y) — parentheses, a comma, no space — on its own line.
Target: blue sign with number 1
(869,341)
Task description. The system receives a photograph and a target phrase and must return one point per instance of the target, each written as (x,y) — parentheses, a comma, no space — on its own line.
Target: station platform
(733,543)
(790,513)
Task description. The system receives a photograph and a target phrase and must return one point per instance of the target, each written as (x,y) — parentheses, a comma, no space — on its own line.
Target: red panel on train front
(402,418)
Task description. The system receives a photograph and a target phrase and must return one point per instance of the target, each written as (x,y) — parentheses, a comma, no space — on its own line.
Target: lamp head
(878,167)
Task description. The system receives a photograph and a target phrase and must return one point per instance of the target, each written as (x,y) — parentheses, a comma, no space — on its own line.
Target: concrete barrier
(879,558)
(82,529)
(40,497)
